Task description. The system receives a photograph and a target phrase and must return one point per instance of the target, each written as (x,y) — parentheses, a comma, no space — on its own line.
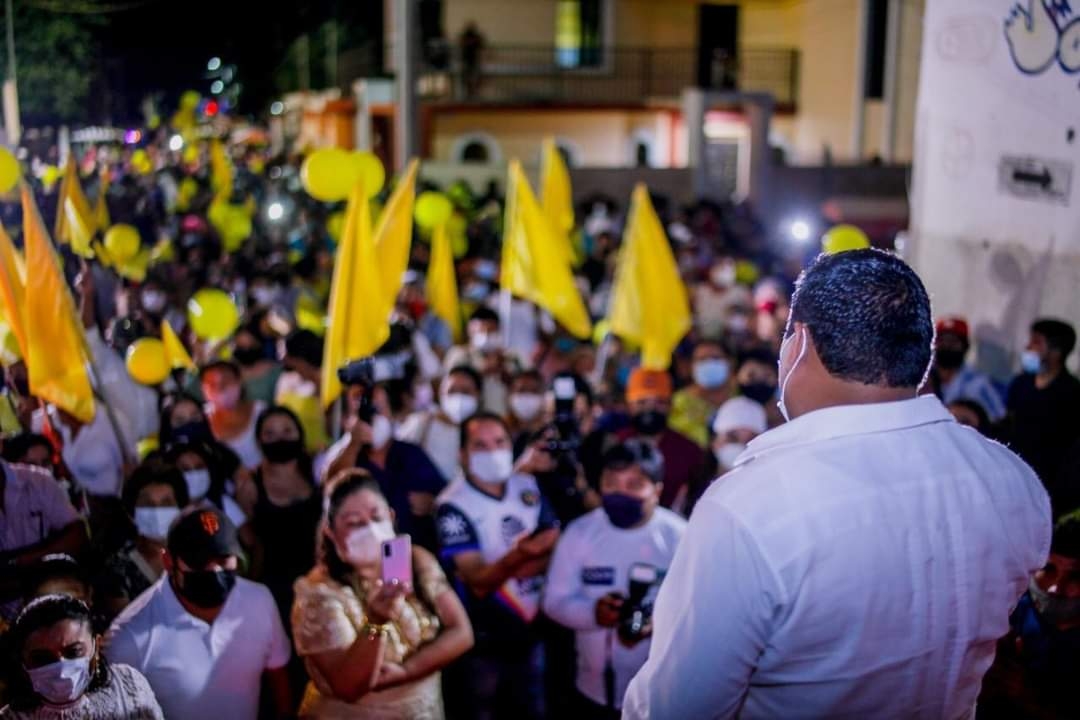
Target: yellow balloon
(135,268)
(746,272)
(189,100)
(146,361)
(842,238)
(335,224)
(369,168)
(237,228)
(432,209)
(49,175)
(218,215)
(328,174)
(122,242)
(212,314)
(140,162)
(9,171)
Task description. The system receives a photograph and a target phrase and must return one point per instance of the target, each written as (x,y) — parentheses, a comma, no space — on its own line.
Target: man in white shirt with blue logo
(609,564)
(496,533)
(862,560)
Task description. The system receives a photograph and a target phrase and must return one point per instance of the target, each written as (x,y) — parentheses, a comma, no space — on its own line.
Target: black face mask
(650,422)
(192,432)
(759,392)
(247,356)
(280,452)
(208,588)
(950,359)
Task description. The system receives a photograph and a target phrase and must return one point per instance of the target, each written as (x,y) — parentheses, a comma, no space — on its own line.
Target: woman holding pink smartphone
(376,620)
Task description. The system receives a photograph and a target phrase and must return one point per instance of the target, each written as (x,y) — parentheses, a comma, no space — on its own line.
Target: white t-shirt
(439,439)
(201,671)
(94,455)
(469,519)
(593,558)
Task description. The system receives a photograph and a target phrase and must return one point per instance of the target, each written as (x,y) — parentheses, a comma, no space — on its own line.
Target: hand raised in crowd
(539,545)
(607,609)
(536,459)
(386,601)
(361,433)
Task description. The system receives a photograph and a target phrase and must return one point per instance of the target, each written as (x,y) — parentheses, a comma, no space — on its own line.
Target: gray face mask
(1054,609)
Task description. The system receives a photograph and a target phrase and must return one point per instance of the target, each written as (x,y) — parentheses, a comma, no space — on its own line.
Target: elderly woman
(63,673)
(373,650)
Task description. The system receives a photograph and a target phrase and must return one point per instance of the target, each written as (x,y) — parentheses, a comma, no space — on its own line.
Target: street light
(176,143)
(216,87)
(277,107)
(214,64)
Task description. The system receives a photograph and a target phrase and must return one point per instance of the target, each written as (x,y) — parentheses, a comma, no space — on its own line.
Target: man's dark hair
(155,471)
(869,317)
(57,566)
(1066,539)
(482,416)
(1059,335)
(635,452)
(15,448)
(478,381)
(339,489)
(485,314)
(760,355)
(227,365)
(979,411)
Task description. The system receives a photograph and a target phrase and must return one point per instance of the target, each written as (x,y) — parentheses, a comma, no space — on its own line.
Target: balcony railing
(533,75)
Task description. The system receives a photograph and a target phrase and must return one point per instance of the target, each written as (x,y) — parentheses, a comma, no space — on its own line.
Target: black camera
(636,611)
(360,373)
(566,438)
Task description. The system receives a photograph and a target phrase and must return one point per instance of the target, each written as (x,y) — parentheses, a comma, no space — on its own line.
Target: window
(580,33)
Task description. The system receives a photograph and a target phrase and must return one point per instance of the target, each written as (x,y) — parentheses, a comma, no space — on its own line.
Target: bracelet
(374,631)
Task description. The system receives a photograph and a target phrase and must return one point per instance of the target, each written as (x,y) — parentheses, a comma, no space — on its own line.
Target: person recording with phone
(376,620)
(406,475)
(605,573)
(497,532)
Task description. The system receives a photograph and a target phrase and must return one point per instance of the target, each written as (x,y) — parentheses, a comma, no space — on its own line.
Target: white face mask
(526,406)
(381,431)
(492,466)
(198,483)
(63,681)
(153,300)
(154,522)
(485,342)
(459,406)
(728,453)
(785,378)
(363,546)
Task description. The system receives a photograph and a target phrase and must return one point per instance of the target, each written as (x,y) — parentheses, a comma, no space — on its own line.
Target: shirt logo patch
(530,498)
(453,529)
(512,528)
(210,523)
(598,576)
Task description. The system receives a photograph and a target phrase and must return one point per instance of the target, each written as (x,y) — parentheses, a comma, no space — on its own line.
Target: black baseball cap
(201,534)
(635,452)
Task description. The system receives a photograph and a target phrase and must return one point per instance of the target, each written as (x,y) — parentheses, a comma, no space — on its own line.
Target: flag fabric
(555,195)
(175,352)
(442,291)
(359,316)
(530,268)
(101,206)
(75,221)
(393,234)
(221,170)
(56,355)
(13,290)
(648,300)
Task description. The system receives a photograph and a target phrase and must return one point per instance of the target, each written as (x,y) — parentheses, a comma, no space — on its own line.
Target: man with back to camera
(861,560)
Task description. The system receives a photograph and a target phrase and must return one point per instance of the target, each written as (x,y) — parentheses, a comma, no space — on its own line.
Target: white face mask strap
(791,371)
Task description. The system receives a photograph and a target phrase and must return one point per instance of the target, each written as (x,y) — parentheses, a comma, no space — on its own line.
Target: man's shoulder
(588,525)
(29,475)
(669,522)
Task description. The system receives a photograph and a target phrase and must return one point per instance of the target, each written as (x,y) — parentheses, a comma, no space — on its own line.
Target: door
(718,46)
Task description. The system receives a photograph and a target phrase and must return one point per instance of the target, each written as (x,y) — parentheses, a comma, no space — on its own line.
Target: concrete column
(858,124)
(892,79)
(693,102)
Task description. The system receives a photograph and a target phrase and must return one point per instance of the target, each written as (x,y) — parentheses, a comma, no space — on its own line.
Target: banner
(996,193)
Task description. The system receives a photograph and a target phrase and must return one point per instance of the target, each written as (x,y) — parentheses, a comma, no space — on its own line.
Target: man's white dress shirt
(859,562)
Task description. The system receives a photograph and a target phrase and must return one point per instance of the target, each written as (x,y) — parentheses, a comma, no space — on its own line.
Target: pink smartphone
(397,560)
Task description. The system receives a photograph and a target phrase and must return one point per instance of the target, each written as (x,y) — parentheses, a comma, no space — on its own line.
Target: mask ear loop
(787,378)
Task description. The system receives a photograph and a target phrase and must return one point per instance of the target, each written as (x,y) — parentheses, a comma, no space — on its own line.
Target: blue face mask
(622,510)
(565,345)
(1030,362)
(712,373)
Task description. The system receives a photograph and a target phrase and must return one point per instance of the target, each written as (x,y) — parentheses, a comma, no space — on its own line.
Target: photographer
(605,572)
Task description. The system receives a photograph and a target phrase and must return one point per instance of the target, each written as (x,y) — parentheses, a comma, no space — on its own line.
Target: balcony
(518,75)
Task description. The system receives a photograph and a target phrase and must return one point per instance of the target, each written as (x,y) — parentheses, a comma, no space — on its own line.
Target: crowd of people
(218,545)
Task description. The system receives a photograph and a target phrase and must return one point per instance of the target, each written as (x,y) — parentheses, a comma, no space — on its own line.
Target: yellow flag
(442,292)
(530,268)
(101,207)
(359,318)
(56,358)
(13,290)
(648,300)
(221,170)
(175,352)
(555,195)
(75,221)
(393,235)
